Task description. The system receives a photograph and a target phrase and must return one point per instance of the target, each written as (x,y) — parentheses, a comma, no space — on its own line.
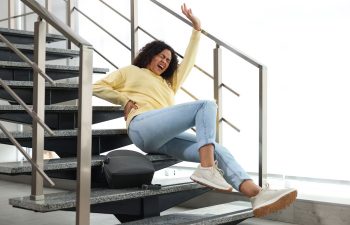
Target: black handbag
(126,168)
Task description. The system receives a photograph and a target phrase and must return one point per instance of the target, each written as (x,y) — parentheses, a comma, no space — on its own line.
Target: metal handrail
(103,29)
(120,14)
(212,37)
(84,110)
(19,147)
(262,91)
(105,58)
(155,38)
(56,23)
(17,16)
(27,60)
(25,106)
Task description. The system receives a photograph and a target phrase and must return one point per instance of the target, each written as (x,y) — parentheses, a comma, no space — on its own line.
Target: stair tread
(29,34)
(65,133)
(30,84)
(23,65)
(31,48)
(63,163)
(65,200)
(217,214)
(65,108)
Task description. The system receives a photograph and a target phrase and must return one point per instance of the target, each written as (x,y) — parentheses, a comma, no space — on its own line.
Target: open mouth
(161,67)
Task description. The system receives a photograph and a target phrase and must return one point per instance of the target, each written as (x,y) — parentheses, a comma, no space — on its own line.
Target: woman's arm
(196,23)
(188,61)
(107,88)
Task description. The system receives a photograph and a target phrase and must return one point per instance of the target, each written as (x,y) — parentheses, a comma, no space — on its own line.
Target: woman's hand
(128,107)
(196,23)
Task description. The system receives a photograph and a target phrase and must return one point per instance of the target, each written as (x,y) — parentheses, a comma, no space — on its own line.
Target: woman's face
(160,62)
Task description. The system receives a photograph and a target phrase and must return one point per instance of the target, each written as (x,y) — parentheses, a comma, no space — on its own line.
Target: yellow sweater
(148,90)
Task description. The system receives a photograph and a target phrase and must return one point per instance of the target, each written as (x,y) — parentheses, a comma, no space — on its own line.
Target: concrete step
(66,168)
(60,164)
(60,116)
(27,37)
(21,71)
(7,54)
(116,201)
(61,92)
(228,213)
(64,142)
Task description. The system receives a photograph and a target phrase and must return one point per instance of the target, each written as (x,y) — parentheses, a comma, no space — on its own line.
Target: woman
(146,89)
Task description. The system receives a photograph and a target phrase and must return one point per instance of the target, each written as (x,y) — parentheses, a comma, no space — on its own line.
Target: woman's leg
(184,147)
(150,130)
(160,131)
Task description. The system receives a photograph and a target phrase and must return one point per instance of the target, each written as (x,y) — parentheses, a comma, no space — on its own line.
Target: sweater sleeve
(187,62)
(108,87)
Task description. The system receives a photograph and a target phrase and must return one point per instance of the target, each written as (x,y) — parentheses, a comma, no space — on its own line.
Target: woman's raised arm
(196,23)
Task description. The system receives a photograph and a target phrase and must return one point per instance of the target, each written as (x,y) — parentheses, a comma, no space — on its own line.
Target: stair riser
(67,146)
(24,39)
(27,37)
(60,120)
(27,74)
(9,55)
(52,95)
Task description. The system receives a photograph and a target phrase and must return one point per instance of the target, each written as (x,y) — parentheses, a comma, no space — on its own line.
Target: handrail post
(134,28)
(262,125)
(84,137)
(11,13)
(69,19)
(48,6)
(39,108)
(218,90)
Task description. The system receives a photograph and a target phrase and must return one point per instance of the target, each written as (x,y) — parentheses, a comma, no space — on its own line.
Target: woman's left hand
(196,23)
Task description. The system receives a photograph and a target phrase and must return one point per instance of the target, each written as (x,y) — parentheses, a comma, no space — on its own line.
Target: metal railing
(217,77)
(84,104)
(84,139)
(218,85)
(17,16)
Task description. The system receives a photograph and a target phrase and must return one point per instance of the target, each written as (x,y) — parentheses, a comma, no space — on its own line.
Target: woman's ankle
(249,188)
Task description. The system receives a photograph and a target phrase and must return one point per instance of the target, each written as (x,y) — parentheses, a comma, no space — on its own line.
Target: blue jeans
(163,131)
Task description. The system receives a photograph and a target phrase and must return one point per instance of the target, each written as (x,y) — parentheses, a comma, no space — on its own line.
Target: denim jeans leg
(184,147)
(162,131)
(151,130)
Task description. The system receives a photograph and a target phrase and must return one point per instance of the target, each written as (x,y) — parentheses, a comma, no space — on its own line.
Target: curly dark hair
(152,49)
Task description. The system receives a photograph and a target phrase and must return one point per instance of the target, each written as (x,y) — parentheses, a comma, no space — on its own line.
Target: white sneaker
(211,177)
(269,201)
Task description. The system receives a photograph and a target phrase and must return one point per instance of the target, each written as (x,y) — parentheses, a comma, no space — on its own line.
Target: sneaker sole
(279,204)
(209,185)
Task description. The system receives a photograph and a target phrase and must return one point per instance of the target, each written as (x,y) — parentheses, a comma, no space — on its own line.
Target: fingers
(187,12)
(128,107)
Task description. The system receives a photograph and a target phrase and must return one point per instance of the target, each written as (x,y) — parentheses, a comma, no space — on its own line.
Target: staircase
(132,205)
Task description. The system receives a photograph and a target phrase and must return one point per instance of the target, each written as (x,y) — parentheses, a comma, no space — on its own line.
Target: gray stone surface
(51,164)
(65,133)
(73,53)
(61,163)
(65,200)
(218,214)
(29,84)
(58,108)
(27,37)
(22,65)
(11,215)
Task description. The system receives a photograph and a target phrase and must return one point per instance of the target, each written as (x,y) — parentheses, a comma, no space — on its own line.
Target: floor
(14,216)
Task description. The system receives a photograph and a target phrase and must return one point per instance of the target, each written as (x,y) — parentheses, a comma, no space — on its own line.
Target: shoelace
(266,187)
(218,169)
